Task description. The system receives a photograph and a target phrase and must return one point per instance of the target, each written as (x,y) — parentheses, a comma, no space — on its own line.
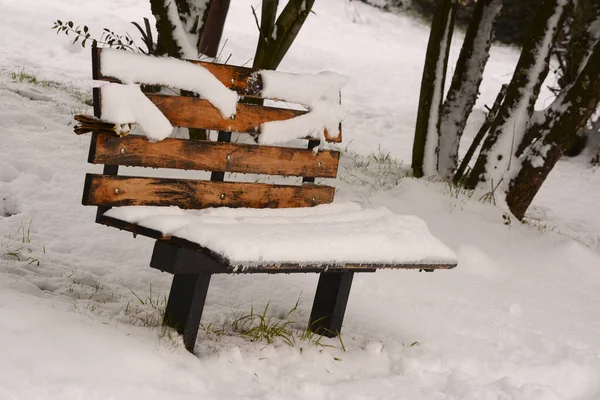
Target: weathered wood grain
(137,151)
(114,191)
(192,112)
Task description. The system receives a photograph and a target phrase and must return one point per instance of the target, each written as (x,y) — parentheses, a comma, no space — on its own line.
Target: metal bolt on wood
(232,116)
(122,151)
(228,157)
(116,191)
(222,196)
(319,164)
(314,200)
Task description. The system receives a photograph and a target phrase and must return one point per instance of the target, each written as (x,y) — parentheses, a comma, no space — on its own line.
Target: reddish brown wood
(192,112)
(212,156)
(113,191)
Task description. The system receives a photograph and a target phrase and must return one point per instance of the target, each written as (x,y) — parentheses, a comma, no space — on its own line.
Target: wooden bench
(191,264)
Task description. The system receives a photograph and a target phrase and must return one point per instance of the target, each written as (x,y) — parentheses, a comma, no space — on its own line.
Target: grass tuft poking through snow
(18,247)
(263,327)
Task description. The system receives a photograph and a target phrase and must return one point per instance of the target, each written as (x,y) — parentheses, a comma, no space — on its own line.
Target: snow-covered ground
(518,319)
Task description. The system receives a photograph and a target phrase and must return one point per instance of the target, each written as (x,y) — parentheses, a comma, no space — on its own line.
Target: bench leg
(330,303)
(185,305)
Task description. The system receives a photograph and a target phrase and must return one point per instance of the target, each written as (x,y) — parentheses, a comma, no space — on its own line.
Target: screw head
(122,151)
(314,200)
(232,116)
(232,81)
(228,157)
(116,191)
(319,164)
(222,196)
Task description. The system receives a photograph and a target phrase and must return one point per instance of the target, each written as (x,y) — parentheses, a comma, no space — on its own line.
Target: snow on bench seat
(333,234)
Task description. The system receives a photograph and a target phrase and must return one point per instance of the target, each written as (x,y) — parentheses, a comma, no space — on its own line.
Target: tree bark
(460,172)
(465,83)
(426,137)
(276,36)
(563,121)
(497,155)
(212,30)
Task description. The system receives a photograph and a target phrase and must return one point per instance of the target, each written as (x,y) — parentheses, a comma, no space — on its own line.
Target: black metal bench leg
(330,303)
(185,305)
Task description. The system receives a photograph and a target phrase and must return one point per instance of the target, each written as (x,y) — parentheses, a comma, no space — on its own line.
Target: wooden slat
(241,79)
(212,156)
(113,191)
(192,112)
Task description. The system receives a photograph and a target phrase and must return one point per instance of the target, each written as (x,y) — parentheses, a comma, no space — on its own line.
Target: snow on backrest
(319,93)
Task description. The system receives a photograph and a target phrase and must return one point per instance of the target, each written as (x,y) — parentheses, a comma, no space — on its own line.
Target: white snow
(184,39)
(319,92)
(340,233)
(137,68)
(516,320)
(127,104)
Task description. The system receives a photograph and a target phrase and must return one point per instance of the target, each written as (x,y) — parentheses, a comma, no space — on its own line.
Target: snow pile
(129,105)
(166,71)
(320,93)
(325,234)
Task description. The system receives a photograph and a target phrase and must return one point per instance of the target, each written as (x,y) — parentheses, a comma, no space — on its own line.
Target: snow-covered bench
(204,227)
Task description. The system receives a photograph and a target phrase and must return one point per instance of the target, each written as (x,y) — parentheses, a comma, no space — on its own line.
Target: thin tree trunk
(465,83)
(460,172)
(564,120)
(426,139)
(497,159)
(212,30)
(277,36)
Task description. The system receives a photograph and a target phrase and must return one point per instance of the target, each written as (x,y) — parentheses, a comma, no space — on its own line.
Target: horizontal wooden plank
(192,112)
(243,80)
(212,156)
(115,190)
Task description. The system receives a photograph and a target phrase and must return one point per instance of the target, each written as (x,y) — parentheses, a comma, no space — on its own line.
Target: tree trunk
(497,156)
(563,121)
(491,116)
(276,36)
(465,83)
(212,30)
(426,140)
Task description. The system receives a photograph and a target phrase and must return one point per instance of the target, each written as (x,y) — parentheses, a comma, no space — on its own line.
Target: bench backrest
(110,189)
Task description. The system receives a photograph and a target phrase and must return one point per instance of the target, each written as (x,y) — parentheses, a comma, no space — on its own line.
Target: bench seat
(336,234)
